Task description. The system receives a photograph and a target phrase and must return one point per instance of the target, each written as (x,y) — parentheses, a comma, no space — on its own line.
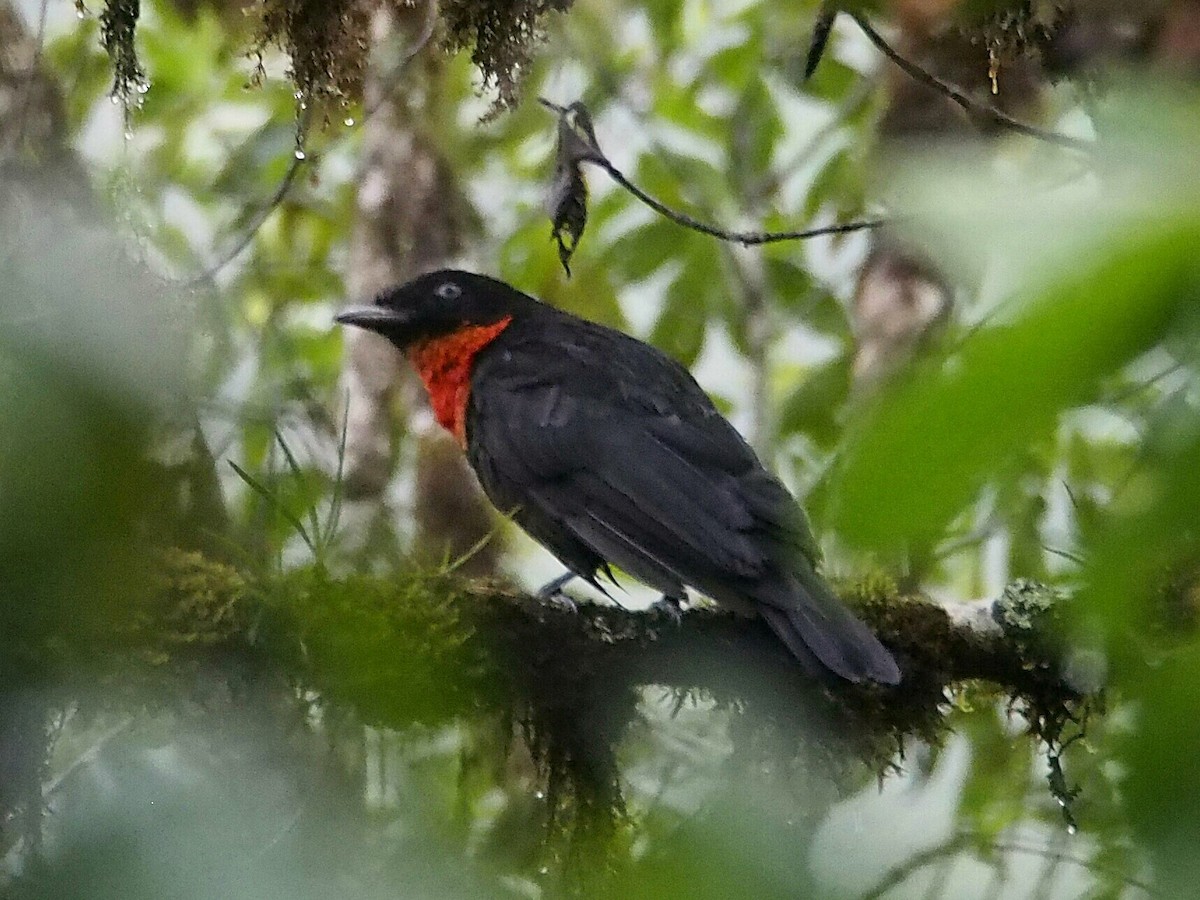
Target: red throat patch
(444,364)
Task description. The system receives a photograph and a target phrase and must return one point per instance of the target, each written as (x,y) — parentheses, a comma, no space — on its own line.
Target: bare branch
(577,144)
(745,238)
(965,840)
(961,98)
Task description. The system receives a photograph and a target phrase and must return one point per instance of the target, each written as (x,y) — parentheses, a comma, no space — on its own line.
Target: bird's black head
(437,304)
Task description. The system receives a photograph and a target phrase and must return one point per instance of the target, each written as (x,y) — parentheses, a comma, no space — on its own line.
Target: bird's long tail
(823,634)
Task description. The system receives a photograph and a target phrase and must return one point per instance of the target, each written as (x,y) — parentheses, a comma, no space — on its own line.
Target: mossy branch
(429,649)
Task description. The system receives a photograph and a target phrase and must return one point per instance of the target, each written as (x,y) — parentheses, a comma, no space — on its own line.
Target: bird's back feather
(606,450)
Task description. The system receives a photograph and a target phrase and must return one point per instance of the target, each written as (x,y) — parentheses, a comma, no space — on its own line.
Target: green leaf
(680,328)
(812,408)
(920,453)
(273,500)
(640,253)
(691,299)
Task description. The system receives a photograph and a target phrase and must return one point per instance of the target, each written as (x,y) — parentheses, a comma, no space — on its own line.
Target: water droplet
(114,99)
(143,87)
(1062,802)
(349,123)
(544,870)
(541,795)
(80,12)
(304,104)
(300,154)
(1071,829)
(128,135)
(299,95)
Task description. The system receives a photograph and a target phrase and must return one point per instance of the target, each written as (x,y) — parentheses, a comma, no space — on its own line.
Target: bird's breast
(445,363)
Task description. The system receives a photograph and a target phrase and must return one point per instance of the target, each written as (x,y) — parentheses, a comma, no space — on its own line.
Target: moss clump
(872,588)
(1016,30)
(1025,605)
(328,42)
(500,37)
(118,24)
(1030,615)
(397,650)
(194,603)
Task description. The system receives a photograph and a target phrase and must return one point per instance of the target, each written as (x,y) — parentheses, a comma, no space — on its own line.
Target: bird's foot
(563,602)
(552,592)
(671,607)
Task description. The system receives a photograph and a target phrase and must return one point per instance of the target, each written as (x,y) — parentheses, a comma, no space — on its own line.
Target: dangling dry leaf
(566,202)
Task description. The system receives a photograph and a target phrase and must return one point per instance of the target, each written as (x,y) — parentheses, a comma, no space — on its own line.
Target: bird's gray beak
(373,318)
(392,324)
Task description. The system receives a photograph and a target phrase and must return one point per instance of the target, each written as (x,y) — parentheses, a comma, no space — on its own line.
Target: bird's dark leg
(553,588)
(552,591)
(671,607)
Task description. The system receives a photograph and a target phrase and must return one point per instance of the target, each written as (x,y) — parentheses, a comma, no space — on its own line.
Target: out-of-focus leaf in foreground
(1095,279)
(1090,280)
(89,361)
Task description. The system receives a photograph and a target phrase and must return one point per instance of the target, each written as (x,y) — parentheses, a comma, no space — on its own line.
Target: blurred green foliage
(1052,432)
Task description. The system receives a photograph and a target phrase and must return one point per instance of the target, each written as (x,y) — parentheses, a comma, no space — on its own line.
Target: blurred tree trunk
(32,115)
(900,296)
(412,218)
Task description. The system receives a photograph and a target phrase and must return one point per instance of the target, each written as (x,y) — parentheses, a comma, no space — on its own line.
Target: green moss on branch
(430,649)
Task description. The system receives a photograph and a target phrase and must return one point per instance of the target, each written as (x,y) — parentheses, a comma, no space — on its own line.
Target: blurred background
(228,664)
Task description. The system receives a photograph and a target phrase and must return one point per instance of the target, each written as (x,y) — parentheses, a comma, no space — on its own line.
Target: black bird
(606,451)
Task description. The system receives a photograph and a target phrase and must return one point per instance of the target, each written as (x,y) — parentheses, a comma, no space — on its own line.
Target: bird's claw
(563,602)
(669,607)
(552,592)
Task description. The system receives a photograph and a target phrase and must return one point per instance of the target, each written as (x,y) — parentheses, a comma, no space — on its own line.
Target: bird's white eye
(448,290)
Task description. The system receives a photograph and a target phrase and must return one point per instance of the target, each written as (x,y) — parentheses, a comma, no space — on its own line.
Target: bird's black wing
(605,449)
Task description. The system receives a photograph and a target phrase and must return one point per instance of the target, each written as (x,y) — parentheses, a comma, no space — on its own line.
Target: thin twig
(1089,865)
(1065,554)
(745,238)
(964,840)
(900,873)
(960,97)
(285,185)
(587,150)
